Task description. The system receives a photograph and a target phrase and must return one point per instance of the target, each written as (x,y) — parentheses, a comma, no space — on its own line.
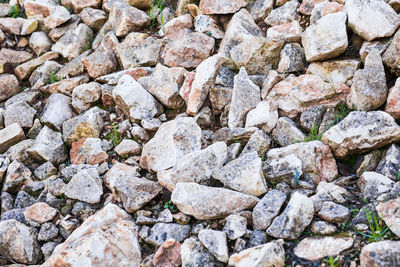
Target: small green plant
(377,228)
(114,136)
(333,262)
(156,6)
(313,135)
(15,12)
(171,206)
(89,43)
(398,175)
(53,78)
(341,112)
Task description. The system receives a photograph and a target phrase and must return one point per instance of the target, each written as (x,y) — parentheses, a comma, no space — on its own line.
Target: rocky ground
(200,133)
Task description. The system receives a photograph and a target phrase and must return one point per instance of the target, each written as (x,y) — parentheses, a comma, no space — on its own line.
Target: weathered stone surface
(168,254)
(94,18)
(65,86)
(206,74)
(334,213)
(315,248)
(373,184)
(10,136)
(193,253)
(107,238)
(368,90)
(294,219)
(329,192)
(221,7)
(84,95)
(58,15)
(388,211)
(208,25)
(126,19)
(172,141)
(40,212)
(205,202)
(164,84)
(24,70)
(127,148)
(371,19)
(164,231)
(18,242)
(100,63)
(269,254)
(263,116)
(296,94)
(288,32)
(283,14)
(17,176)
(9,86)
(389,165)
(286,132)
(85,186)
(292,59)
(245,96)
(335,71)
(323,228)
(327,38)
(361,132)
(41,76)
(21,113)
(189,51)
(88,150)
(243,174)
(235,226)
(197,166)
(393,101)
(134,192)
(216,243)
(382,253)
(134,100)
(267,209)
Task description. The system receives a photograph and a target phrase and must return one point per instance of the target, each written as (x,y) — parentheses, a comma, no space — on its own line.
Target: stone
(188,51)
(17,176)
(134,192)
(245,97)
(23,71)
(334,213)
(38,9)
(206,73)
(164,84)
(292,59)
(45,170)
(78,5)
(368,90)
(10,136)
(134,100)
(324,8)
(216,243)
(316,248)
(49,146)
(307,6)
(329,192)
(371,20)
(126,19)
(9,86)
(10,58)
(311,119)
(267,209)
(40,212)
(269,254)
(177,27)
(127,148)
(390,57)
(389,165)
(84,95)
(85,186)
(259,142)
(56,111)
(286,132)
(18,242)
(41,76)
(88,150)
(100,63)
(388,211)
(138,49)
(206,24)
(161,232)
(335,71)
(193,253)
(205,202)
(109,237)
(58,16)
(323,228)
(297,215)
(380,44)
(260,9)
(381,253)
(235,226)
(361,132)
(94,18)
(197,167)
(295,95)
(288,32)
(56,33)
(168,254)
(392,103)
(322,41)
(243,174)
(373,184)
(221,7)
(47,232)
(21,113)
(173,140)
(283,14)
(65,86)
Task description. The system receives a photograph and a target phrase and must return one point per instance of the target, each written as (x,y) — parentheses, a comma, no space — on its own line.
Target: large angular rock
(88,150)
(295,95)
(58,16)
(65,86)
(126,19)
(164,84)
(267,209)
(85,186)
(172,141)
(288,32)
(23,71)
(269,254)
(134,192)
(19,112)
(84,95)
(205,202)
(18,242)
(388,211)
(74,42)
(9,86)
(294,219)
(243,174)
(10,136)
(245,97)
(316,248)
(216,243)
(373,184)
(316,161)
(390,163)
(371,19)
(206,74)
(221,7)
(361,132)
(188,51)
(369,90)
(382,253)
(327,38)
(283,14)
(263,116)
(286,132)
(134,100)
(100,63)
(109,237)
(260,9)
(197,167)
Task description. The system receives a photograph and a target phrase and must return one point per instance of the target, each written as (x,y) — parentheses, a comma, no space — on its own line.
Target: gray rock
(10,136)
(23,200)
(45,170)
(85,186)
(283,14)
(216,243)
(7,202)
(257,238)
(21,113)
(264,116)
(259,142)
(389,165)
(161,232)
(17,175)
(294,219)
(15,214)
(267,209)
(41,76)
(193,253)
(382,253)
(292,59)
(235,226)
(48,248)
(286,132)
(323,228)
(335,213)
(373,184)
(329,192)
(48,231)
(85,95)
(57,110)
(260,9)
(312,117)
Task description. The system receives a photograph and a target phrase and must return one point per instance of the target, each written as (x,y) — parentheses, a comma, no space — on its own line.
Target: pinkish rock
(40,212)
(393,101)
(221,7)
(100,63)
(178,27)
(79,5)
(88,151)
(9,86)
(289,32)
(307,6)
(168,254)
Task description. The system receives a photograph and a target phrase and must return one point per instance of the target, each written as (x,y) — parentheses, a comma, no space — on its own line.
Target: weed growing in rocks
(378,230)
(53,78)
(114,136)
